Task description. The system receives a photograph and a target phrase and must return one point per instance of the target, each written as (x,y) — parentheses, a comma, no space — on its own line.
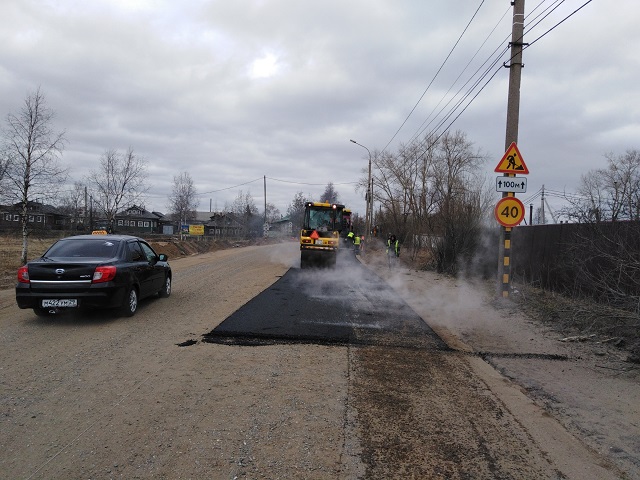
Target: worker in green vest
(349,239)
(393,246)
(356,243)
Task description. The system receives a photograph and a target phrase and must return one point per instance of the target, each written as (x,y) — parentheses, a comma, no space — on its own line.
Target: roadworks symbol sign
(512,162)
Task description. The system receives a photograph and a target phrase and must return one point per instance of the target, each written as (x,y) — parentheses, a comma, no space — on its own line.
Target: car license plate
(65,302)
(318,242)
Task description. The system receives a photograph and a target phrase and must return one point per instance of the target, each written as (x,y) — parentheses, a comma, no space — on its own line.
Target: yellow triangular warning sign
(512,162)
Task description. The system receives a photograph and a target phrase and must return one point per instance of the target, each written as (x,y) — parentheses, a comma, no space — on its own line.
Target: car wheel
(165,291)
(130,304)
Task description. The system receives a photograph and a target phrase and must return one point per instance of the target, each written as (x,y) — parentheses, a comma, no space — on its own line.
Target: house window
(31,218)
(39,218)
(140,223)
(7,217)
(120,223)
(16,218)
(146,224)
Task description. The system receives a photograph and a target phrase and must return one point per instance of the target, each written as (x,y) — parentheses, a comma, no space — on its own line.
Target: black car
(93,271)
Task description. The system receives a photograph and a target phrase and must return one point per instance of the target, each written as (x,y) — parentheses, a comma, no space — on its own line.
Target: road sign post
(509,211)
(511,184)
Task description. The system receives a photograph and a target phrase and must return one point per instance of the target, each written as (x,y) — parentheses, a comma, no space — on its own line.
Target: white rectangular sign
(511,184)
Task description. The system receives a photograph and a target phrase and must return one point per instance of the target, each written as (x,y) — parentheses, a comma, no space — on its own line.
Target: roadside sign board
(512,162)
(509,211)
(511,184)
(196,229)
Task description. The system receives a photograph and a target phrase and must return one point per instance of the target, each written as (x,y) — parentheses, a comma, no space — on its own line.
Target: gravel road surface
(95,396)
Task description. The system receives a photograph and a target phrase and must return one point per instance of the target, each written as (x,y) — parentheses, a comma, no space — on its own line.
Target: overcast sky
(232,91)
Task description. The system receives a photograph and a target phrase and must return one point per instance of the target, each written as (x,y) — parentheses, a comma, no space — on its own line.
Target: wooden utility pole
(513,118)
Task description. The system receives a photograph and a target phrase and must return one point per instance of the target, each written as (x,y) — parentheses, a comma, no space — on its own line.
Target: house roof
(34,207)
(203,216)
(143,213)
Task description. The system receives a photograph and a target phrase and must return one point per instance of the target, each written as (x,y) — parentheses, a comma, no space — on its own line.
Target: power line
(311,184)
(560,22)
(544,14)
(435,76)
(421,129)
(229,188)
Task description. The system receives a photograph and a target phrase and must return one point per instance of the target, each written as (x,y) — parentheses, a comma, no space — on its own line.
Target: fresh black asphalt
(345,305)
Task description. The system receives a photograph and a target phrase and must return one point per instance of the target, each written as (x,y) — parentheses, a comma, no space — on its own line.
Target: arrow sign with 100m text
(511,184)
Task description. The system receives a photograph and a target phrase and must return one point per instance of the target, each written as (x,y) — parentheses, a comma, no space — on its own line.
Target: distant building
(281,228)
(136,220)
(225,225)
(40,217)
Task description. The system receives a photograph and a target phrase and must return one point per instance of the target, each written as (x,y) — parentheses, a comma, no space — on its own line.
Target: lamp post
(368,213)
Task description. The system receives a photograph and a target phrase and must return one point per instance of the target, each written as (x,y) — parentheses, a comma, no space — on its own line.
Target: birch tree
(183,201)
(31,163)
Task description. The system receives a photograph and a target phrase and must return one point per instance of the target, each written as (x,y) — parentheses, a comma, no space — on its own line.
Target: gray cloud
(233,91)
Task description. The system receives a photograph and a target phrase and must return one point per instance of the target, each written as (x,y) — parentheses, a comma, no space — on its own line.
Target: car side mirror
(162,257)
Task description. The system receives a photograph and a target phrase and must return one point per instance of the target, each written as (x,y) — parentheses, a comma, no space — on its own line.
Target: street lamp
(368,213)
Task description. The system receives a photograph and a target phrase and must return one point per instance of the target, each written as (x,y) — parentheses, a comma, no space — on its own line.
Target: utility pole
(265,232)
(265,199)
(513,118)
(368,218)
(86,207)
(543,218)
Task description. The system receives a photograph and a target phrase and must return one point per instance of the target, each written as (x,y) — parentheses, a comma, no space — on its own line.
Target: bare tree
(273,213)
(183,201)
(73,204)
(119,183)
(243,204)
(4,165)
(295,210)
(245,208)
(608,194)
(432,197)
(32,152)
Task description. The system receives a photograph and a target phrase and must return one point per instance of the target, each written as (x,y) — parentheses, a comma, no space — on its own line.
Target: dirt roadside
(105,398)
(588,387)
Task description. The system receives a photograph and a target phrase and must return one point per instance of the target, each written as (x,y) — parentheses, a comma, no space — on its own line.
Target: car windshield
(83,248)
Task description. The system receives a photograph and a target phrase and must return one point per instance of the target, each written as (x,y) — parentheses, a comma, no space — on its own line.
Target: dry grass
(581,318)
(11,251)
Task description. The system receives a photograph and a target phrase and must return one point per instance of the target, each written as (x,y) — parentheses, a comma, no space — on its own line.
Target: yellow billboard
(196,229)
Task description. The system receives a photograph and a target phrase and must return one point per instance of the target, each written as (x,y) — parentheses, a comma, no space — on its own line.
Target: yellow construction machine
(320,234)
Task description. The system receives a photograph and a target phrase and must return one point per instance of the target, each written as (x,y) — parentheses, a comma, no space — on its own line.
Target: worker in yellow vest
(393,246)
(356,243)
(349,239)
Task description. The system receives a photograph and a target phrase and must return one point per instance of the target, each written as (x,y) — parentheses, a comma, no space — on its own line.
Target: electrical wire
(538,19)
(229,188)
(421,129)
(435,76)
(312,184)
(559,23)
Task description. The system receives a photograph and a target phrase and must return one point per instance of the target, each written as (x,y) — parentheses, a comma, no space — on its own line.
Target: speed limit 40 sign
(509,211)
